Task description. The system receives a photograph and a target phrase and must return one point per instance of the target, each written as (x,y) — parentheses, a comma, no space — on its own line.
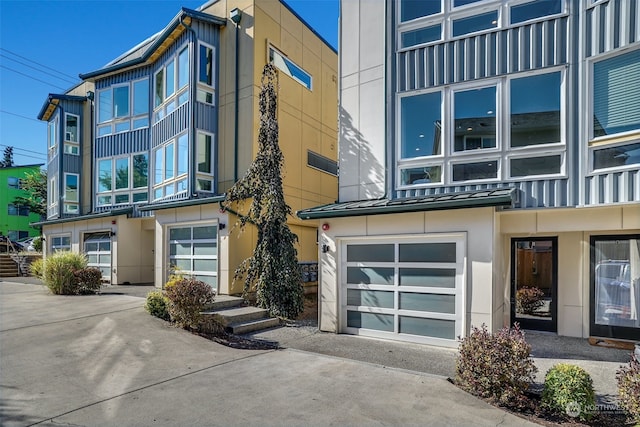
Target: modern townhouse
(142,151)
(489,170)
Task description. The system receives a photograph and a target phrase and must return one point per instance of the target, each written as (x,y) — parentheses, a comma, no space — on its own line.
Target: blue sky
(44,45)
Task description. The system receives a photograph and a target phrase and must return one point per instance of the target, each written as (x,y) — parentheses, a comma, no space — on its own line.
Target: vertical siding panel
(480,56)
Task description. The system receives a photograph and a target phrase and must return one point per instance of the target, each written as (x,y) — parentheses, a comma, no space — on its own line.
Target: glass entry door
(615,287)
(534,274)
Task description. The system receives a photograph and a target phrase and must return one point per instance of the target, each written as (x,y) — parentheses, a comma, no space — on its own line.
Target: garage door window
(194,251)
(410,289)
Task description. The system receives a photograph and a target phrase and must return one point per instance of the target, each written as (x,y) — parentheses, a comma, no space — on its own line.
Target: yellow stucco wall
(307,119)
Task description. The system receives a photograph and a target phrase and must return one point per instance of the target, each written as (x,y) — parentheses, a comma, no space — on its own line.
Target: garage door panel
(370,298)
(373,321)
(370,275)
(428,277)
(436,328)
(427,252)
(434,303)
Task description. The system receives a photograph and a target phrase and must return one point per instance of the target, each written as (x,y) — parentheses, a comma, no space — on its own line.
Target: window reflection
(535,110)
(421,125)
(475,23)
(617,156)
(412,9)
(475,119)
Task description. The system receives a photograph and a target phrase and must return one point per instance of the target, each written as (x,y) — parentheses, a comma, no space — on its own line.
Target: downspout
(236,17)
(60,150)
(90,97)
(192,105)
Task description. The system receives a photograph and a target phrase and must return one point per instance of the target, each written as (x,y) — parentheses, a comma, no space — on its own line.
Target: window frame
(206,176)
(62,247)
(171,102)
(272,49)
(110,197)
(52,196)
(71,205)
(178,182)
(192,241)
(115,125)
(203,89)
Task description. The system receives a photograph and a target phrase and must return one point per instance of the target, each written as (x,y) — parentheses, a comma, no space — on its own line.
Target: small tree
(35,185)
(7,158)
(272,272)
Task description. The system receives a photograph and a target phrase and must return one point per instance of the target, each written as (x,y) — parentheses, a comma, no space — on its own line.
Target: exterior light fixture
(325,227)
(235,15)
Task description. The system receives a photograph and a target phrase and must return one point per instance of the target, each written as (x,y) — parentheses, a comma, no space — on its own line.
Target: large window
(193,250)
(123,180)
(204,160)
(616,94)
(52,196)
(171,167)
(412,9)
(123,107)
(616,111)
(71,194)
(288,67)
(475,119)
(171,85)
(535,9)
(452,135)
(615,286)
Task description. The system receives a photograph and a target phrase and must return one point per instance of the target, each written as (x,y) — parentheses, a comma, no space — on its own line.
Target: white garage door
(409,289)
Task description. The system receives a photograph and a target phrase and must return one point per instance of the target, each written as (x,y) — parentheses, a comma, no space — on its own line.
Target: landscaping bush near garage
(187,298)
(157,304)
(568,390)
(628,378)
(496,366)
(66,273)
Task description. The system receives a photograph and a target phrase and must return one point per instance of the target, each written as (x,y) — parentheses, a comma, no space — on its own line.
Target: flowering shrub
(628,378)
(187,298)
(528,300)
(496,366)
(568,389)
(157,304)
(87,280)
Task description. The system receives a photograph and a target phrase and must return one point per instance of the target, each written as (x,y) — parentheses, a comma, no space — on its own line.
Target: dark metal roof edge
(306,24)
(114,212)
(181,203)
(496,200)
(157,42)
(61,97)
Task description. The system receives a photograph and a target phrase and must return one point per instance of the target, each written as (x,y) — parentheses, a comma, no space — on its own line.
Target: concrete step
(252,325)
(224,301)
(238,315)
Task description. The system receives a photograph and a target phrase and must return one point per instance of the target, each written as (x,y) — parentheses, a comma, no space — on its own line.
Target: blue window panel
(475,23)
(622,155)
(421,125)
(535,9)
(412,9)
(423,35)
(535,110)
(379,322)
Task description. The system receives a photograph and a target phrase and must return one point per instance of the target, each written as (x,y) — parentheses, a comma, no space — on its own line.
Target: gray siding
(611,25)
(171,125)
(122,143)
(500,52)
(613,187)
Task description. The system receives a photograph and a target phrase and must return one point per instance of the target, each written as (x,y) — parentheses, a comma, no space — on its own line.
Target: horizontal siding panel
(521,48)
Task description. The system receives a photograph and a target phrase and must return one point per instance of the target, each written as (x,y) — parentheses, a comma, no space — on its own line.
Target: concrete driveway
(103,361)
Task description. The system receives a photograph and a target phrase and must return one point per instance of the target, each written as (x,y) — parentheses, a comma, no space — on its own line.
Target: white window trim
(213,67)
(561,174)
(77,200)
(130,190)
(271,47)
(176,178)
(590,156)
(502,152)
(459,291)
(458,161)
(194,224)
(112,123)
(77,141)
(205,175)
(52,237)
(161,111)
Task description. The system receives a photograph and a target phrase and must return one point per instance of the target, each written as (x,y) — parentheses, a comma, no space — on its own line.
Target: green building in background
(15,220)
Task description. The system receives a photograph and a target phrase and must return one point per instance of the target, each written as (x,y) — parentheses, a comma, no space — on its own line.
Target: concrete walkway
(101,360)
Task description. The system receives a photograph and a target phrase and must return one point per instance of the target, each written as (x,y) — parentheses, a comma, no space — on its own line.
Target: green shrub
(528,300)
(568,389)
(187,298)
(57,271)
(36,268)
(87,280)
(157,305)
(496,366)
(37,244)
(628,378)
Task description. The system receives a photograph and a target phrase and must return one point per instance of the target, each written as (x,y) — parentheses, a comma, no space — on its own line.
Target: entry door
(534,274)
